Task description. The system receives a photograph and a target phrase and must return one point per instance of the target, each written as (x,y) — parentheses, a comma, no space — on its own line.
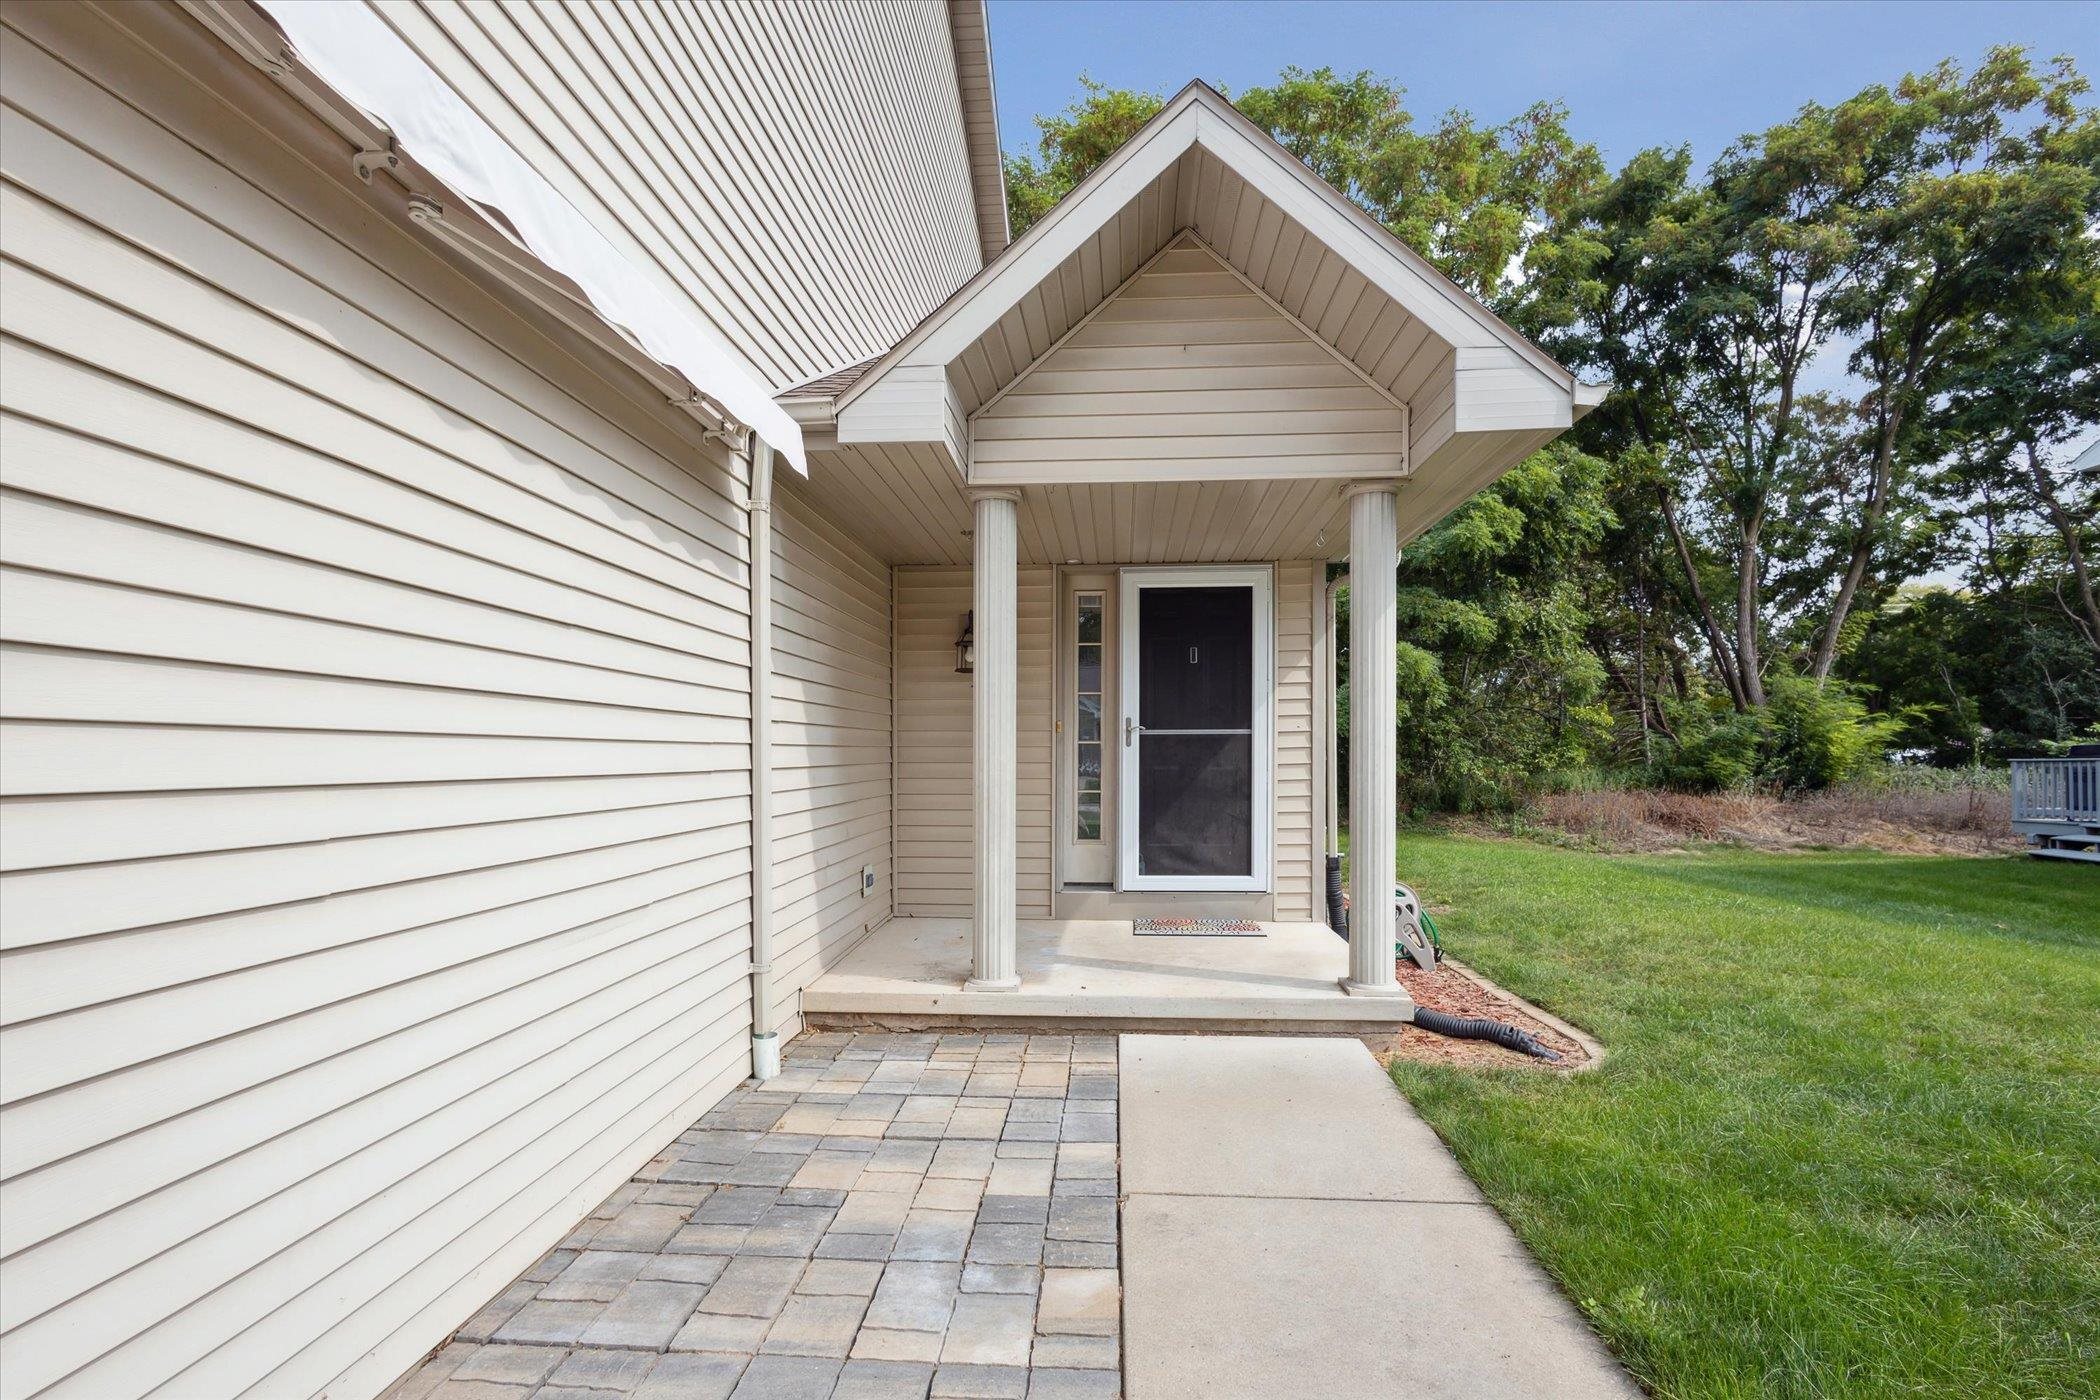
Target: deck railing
(2056,790)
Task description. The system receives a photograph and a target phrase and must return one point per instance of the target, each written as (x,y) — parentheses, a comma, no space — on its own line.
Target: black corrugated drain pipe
(1337,908)
(1479,1028)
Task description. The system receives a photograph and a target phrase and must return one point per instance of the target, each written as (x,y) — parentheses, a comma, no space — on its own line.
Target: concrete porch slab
(1099,971)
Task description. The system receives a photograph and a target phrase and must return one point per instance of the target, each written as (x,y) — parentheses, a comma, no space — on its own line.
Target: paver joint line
(877,1220)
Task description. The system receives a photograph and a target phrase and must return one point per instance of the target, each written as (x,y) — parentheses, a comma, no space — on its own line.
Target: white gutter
(765,1040)
(351,50)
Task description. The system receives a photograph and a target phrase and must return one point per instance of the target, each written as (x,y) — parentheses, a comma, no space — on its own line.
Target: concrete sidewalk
(1292,1228)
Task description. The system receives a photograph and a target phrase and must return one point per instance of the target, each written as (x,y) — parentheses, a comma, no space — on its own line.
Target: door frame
(1262,579)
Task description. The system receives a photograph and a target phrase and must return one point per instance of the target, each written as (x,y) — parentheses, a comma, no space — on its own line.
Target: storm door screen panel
(1196,743)
(1196,713)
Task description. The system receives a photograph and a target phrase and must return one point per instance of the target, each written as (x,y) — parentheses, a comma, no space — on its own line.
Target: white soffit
(351,48)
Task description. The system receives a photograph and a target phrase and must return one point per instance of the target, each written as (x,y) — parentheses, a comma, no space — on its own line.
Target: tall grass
(1887,805)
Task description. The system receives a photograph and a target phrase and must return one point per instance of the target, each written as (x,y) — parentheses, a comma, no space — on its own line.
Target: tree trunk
(1747,659)
(1641,684)
(1724,659)
(1862,548)
(2074,547)
(1680,682)
(1891,402)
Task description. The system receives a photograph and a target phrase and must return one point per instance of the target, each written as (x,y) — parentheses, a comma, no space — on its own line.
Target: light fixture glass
(966,646)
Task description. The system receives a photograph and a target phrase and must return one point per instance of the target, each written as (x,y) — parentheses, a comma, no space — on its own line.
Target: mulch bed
(1449,990)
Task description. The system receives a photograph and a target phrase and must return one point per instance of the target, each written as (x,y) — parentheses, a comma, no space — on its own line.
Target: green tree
(1898,224)
(1498,683)
(1972,202)
(1978,675)
(1072,143)
(2026,392)
(1485,203)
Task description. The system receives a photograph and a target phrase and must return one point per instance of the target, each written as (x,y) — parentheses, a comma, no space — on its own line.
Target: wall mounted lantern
(966,647)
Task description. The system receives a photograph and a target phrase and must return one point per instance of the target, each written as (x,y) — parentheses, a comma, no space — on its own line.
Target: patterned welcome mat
(1198,928)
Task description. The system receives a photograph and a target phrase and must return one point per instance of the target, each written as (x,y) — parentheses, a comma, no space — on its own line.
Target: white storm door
(1195,735)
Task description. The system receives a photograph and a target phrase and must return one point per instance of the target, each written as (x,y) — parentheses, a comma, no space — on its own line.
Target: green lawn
(1847,1137)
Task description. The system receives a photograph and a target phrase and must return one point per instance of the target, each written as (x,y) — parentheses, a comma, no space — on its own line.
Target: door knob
(1130,727)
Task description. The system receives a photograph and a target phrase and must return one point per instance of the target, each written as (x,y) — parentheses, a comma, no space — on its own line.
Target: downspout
(1331,726)
(1330,723)
(765,1040)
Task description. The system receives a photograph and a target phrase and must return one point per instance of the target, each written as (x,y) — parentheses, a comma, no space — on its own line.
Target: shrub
(1806,738)
(1818,736)
(1716,749)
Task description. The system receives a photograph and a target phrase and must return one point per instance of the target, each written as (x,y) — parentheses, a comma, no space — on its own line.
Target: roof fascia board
(1037,260)
(1177,130)
(1455,315)
(969,24)
(1199,115)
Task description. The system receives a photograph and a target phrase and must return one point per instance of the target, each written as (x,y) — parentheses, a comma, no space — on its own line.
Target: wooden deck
(2056,806)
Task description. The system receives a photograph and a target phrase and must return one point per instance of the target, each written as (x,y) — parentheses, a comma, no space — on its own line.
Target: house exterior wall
(375,855)
(934,792)
(800,169)
(1300,586)
(831,746)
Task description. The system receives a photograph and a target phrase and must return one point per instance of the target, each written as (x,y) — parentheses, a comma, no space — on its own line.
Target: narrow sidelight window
(1086,734)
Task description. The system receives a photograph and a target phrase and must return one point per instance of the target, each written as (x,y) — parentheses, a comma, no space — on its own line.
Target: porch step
(1097,974)
(1291,1228)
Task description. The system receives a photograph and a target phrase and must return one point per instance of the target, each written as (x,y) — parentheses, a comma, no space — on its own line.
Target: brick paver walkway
(893,1216)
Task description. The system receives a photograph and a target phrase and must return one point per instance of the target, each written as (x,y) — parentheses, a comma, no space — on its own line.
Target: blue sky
(1633,74)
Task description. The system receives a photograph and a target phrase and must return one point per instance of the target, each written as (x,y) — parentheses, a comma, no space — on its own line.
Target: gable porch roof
(1472,395)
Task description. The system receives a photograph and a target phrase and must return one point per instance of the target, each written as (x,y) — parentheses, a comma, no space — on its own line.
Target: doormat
(1197,928)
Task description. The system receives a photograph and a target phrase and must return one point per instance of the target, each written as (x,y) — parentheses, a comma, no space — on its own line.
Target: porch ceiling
(907,506)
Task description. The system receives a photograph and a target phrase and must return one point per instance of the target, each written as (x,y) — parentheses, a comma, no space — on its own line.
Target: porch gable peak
(1188,371)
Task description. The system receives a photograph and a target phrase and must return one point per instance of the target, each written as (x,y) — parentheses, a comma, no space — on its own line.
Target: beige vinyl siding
(934,792)
(831,746)
(375,815)
(799,170)
(1187,371)
(1298,588)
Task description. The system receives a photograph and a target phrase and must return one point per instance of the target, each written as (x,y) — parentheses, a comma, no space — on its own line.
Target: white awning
(348,46)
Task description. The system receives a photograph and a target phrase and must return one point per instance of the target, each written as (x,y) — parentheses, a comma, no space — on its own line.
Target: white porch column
(995,698)
(1374,554)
